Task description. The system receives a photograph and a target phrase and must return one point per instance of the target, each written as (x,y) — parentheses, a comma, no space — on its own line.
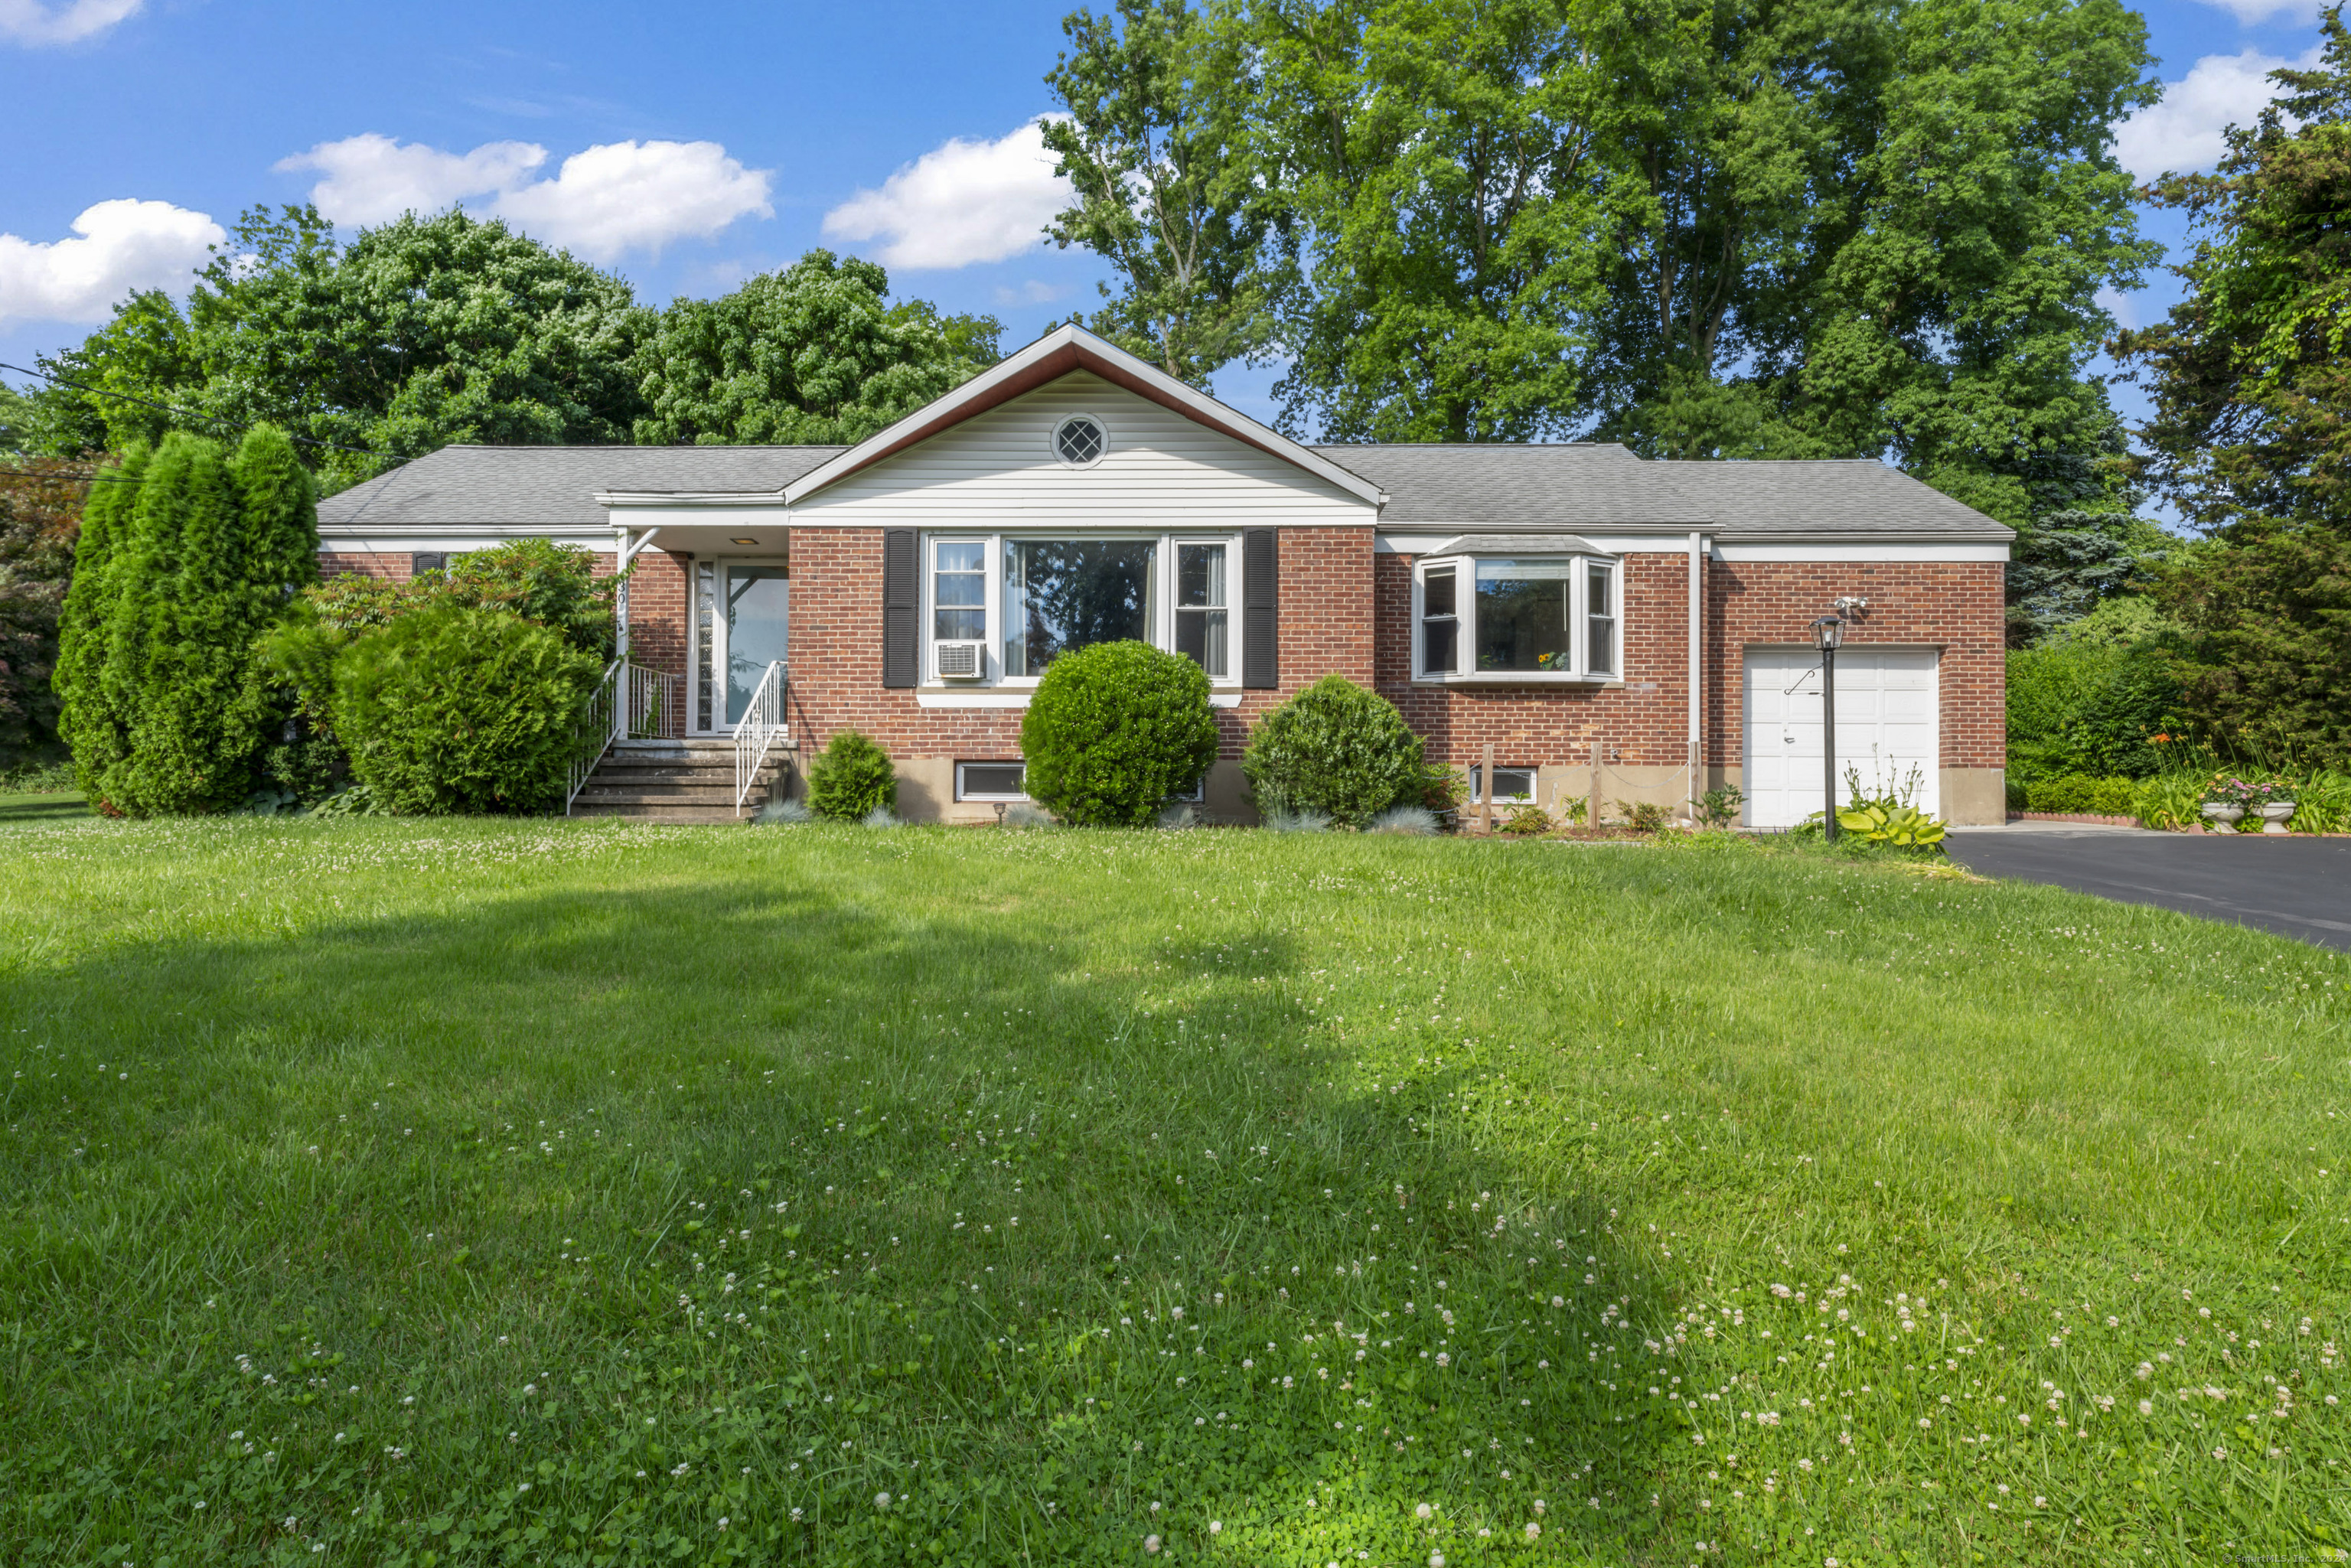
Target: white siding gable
(1161,471)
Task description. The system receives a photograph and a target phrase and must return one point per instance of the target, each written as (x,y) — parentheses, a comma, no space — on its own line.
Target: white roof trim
(1007,379)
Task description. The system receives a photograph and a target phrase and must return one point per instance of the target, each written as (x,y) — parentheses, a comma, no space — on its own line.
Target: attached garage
(1885,727)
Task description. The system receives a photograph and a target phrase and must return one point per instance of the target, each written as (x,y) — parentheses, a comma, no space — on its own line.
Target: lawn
(467,1192)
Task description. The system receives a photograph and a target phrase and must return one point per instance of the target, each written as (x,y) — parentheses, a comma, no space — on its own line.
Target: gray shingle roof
(555,487)
(1601,485)
(1562,487)
(1849,496)
(1551,488)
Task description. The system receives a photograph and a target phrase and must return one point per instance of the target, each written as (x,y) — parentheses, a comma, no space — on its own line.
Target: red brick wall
(836,660)
(1644,723)
(1954,605)
(392,567)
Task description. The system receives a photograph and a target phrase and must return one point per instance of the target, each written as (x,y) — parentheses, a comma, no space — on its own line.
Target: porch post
(621,726)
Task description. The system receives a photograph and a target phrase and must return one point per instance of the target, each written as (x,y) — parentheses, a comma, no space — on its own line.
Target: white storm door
(745,614)
(1886,728)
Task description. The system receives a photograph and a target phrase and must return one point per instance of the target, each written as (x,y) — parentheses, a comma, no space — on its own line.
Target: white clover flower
(881,1500)
(1151,1543)
(1423,1512)
(1533,1530)
(1216,1526)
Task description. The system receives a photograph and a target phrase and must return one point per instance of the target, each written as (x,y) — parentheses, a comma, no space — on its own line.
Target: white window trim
(963,794)
(1163,627)
(1465,614)
(1476,770)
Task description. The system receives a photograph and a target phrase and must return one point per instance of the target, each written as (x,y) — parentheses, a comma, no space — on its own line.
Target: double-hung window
(1003,607)
(1523,616)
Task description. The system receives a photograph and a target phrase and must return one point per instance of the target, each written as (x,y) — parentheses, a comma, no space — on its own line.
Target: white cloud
(2123,307)
(630,195)
(123,245)
(621,196)
(2249,12)
(372,179)
(32,22)
(2182,133)
(959,203)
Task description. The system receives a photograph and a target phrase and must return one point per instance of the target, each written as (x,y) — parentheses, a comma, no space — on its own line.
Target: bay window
(1003,607)
(1522,617)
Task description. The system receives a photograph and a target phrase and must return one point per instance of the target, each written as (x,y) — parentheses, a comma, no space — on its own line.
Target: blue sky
(686,146)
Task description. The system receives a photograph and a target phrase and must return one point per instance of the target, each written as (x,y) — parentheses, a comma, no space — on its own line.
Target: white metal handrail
(763,721)
(631,702)
(656,705)
(598,720)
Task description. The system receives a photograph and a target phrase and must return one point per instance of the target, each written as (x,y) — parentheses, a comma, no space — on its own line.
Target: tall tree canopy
(2250,382)
(422,333)
(813,354)
(1158,147)
(1740,228)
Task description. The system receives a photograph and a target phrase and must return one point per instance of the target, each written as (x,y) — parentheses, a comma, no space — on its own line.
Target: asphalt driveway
(2294,887)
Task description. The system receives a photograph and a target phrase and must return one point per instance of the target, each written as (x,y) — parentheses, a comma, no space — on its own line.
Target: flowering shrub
(2231,789)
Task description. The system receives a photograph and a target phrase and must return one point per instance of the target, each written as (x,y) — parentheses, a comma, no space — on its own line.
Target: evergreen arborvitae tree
(97,732)
(210,554)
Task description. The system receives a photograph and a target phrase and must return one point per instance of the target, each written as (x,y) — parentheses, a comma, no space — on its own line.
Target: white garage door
(1885,729)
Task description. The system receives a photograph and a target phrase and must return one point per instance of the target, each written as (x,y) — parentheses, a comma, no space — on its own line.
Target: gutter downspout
(1696,665)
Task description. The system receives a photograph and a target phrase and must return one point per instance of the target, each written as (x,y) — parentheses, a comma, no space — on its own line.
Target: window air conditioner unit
(962,661)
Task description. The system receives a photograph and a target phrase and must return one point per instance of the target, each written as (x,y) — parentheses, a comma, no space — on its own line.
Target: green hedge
(450,710)
(2081,792)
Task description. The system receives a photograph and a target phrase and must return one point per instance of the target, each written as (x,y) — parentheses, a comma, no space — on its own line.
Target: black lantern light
(1828,632)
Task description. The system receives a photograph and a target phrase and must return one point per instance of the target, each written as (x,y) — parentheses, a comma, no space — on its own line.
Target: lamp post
(1827,632)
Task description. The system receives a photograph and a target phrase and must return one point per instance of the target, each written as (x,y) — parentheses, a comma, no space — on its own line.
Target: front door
(744,615)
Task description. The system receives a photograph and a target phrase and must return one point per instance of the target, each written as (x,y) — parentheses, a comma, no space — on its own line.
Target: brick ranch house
(1559,604)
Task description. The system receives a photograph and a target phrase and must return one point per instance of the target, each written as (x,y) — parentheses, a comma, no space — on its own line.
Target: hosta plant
(1898,827)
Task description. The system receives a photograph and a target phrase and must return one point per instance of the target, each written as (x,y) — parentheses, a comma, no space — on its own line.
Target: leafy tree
(91,720)
(201,560)
(420,332)
(814,354)
(1880,231)
(40,515)
(1156,144)
(1449,166)
(2248,373)
(2269,628)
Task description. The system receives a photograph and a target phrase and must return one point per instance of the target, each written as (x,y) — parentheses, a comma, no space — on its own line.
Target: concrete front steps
(690,780)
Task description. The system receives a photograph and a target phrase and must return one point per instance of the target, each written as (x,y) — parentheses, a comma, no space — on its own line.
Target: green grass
(472,1191)
(28,809)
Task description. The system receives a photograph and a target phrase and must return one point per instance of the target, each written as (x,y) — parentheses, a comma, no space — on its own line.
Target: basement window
(986,781)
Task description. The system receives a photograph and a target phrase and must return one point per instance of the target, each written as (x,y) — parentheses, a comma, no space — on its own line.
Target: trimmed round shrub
(851,778)
(461,710)
(1114,730)
(1335,750)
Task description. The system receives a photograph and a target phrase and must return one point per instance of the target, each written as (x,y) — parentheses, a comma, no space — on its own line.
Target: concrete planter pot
(2275,815)
(2223,812)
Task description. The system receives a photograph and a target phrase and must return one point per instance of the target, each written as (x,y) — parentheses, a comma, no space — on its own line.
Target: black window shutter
(901,654)
(1261,617)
